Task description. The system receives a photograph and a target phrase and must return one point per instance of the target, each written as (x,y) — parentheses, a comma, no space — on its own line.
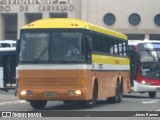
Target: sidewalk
(8,98)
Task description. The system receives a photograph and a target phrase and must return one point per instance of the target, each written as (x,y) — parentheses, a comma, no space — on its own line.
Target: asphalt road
(132,104)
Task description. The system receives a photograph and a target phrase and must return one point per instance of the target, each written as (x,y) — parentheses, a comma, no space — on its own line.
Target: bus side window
(94,41)
(111,50)
(4,45)
(89,47)
(90,44)
(124,49)
(106,43)
(110,46)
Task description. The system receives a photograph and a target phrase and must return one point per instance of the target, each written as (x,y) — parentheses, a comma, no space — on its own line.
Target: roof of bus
(135,42)
(70,23)
(7,41)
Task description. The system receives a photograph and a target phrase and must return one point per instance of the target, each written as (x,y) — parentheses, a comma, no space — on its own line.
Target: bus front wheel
(92,102)
(152,94)
(120,94)
(38,104)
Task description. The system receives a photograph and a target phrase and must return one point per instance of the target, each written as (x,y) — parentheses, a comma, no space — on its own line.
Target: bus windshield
(51,47)
(150,64)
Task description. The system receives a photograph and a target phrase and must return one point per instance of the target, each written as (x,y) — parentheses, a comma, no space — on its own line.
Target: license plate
(158,89)
(49,94)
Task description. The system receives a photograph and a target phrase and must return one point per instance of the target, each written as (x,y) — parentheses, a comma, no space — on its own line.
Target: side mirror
(89,43)
(89,48)
(18,46)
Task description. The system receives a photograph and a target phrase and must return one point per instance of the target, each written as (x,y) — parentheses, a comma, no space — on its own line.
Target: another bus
(8,44)
(145,66)
(47,73)
(8,63)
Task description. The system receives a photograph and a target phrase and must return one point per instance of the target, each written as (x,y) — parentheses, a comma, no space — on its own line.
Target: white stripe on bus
(74,67)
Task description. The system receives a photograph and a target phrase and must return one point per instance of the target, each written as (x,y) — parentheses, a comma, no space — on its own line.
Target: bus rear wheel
(38,104)
(118,97)
(152,94)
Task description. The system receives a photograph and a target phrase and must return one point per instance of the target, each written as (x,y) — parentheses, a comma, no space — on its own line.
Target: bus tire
(120,92)
(68,101)
(152,94)
(116,98)
(38,104)
(92,102)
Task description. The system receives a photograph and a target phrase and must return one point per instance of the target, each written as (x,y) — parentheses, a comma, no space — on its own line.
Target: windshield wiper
(153,57)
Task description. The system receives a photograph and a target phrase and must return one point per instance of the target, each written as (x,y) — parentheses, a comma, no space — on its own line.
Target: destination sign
(150,46)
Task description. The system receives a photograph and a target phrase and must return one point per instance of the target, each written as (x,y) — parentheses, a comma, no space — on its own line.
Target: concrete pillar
(84,10)
(71,14)
(73,9)
(146,37)
(77,9)
(95,17)
(45,15)
(21,22)
(2,28)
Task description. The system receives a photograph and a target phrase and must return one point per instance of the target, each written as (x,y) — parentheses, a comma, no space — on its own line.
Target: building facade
(138,19)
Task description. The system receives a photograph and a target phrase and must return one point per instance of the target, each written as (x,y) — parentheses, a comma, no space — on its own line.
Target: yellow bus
(70,60)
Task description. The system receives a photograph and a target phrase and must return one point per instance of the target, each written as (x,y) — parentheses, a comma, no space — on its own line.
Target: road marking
(151,102)
(12,102)
(157,110)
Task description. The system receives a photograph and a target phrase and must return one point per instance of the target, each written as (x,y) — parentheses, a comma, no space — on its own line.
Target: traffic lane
(143,100)
(7,96)
(126,105)
(142,95)
(129,103)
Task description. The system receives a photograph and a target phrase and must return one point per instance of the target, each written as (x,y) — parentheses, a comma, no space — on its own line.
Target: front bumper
(145,88)
(52,94)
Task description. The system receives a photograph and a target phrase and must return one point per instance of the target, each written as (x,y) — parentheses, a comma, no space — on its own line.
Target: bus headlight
(78,92)
(74,92)
(143,82)
(23,92)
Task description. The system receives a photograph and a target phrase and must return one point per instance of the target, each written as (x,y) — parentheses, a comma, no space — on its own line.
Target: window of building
(157,19)
(10,26)
(136,36)
(30,17)
(154,36)
(109,19)
(134,19)
(58,15)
